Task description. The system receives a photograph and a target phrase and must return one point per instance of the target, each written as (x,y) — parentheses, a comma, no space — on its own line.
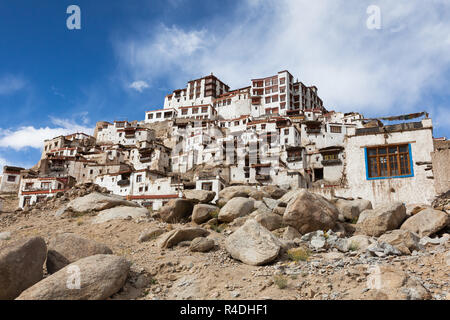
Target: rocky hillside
(252,244)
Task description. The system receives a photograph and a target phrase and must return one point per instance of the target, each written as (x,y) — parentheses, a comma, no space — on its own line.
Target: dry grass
(299,254)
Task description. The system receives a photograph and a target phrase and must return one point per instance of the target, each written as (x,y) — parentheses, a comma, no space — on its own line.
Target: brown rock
(203,213)
(21,266)
(176,210)
(427,222)
(66,248)
(100,277)
(309,212)
(382,219)
(174,237)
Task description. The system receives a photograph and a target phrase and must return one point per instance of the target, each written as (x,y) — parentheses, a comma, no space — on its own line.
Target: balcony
(334,162)
(313,130)
(294,159)
(145,159)
(56,168)
(123,183)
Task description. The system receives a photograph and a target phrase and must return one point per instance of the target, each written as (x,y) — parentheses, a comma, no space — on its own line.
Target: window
(139,178)
(11,178)
(333,156)
(184,112)
(335,129)
(45,185)
(207,186)
(389,161)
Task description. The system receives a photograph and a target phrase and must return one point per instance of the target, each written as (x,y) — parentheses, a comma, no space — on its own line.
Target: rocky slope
(257,244)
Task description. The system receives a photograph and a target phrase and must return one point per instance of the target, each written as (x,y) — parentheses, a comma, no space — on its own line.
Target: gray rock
(120,213)
(274,191)
(21,266)
(270,221)
(202,196)
(351,209)
(173,237)
(201,245)
(202,213)
(100,277)
(382,219)
(384,248)
(5,235)
(291,234)
(403,240)
(66,248)
(258,195)
(253,244)
(229,193)
(235,208)
(176,210)
(270,203)
(427,222)
(309,212)
(97,202)
(279,210)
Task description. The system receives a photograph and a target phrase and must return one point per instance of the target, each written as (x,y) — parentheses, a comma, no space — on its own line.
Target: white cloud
(139,85)
(32,137)
(324,43)
(10,84)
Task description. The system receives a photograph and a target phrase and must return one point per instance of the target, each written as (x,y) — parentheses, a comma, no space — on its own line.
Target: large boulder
(350,209)
(92,278)
(202,196)
(235,208)
(375,222)
(21,266)
(270,221)
(97,202)
(258,195)
(174,237)
(203,213)
(66,248)
(120,213)
(288,197)
(274,191)
(229,193)
(427,222)
(310,212)
(404,240)
(176,210)
(253,244)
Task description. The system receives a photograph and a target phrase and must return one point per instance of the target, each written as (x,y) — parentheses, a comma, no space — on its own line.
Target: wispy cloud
(325,43)
(10,84)
(33,137)
(139,85)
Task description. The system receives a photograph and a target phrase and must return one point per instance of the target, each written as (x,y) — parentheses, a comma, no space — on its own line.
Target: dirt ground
(177,273)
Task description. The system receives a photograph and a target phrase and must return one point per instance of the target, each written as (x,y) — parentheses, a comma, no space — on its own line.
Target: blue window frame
(389,162)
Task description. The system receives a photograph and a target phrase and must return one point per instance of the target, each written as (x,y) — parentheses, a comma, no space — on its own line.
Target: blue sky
(129,54)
